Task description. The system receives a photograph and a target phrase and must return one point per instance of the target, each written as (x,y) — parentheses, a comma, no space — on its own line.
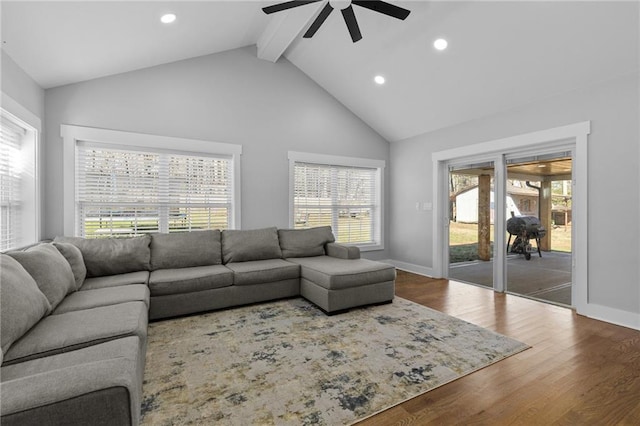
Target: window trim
(337,160)
(71,135)
(33,126)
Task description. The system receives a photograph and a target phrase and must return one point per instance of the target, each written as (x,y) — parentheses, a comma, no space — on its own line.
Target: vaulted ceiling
(501,54)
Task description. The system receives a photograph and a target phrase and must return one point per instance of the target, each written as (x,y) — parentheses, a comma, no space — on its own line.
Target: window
(342,192)
(18,181)
(126,189)
(122,192)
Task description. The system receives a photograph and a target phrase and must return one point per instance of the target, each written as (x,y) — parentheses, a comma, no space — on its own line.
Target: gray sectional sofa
(75,311)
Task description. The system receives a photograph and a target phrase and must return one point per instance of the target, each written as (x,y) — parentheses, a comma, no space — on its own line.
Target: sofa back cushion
(185,249)
(112,256)
(74,257)
(21,301)
(49,269)
(253,244)
(304,242)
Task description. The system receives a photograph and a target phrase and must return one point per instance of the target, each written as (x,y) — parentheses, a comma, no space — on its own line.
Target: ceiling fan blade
(352,24)
(286,5)
(384,8)
(324,13)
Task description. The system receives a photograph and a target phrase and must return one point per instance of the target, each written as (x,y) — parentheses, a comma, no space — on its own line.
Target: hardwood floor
(579,371)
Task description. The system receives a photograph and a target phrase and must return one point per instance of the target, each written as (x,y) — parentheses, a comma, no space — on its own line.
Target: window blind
(346,198)
(131,192)
(11,137)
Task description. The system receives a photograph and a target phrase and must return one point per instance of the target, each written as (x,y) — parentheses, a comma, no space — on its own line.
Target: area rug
(287,363)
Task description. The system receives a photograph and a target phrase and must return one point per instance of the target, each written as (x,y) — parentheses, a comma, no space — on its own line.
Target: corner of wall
(19,85)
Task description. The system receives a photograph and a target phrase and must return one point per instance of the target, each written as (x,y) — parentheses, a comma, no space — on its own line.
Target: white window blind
(121,192)
(346,198)
(11,175)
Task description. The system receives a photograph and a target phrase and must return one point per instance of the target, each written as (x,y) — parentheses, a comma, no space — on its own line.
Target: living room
(75,64)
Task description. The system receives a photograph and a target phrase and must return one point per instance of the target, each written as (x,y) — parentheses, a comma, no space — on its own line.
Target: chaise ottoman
(336,284)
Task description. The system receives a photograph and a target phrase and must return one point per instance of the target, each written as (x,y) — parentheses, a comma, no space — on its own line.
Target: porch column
(545,214)
(484,217)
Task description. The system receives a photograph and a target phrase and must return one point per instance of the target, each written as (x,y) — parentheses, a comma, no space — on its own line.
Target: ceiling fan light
(340,4)
(168,18)
(440,44)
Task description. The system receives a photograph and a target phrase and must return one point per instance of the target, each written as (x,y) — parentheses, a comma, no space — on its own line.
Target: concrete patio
(546,278)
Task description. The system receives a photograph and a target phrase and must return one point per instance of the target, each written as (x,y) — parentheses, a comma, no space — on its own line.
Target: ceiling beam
(283,29)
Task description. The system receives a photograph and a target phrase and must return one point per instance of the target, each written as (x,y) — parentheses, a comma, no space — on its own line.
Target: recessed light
(168,18)
(379,79)
(440,44)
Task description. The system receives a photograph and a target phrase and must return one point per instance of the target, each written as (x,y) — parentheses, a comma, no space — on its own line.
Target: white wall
(614,198)
(230,97)
(20,87)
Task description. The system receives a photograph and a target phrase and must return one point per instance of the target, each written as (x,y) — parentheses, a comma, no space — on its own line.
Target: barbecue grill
(525,228)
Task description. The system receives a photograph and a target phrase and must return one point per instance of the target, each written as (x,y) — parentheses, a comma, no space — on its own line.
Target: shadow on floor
(546,278)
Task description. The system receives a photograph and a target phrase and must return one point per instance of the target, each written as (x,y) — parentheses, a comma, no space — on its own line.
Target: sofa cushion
(252,244)
(103,297)
(335,274)
(124,347)
(141,277)
(304,242)
(50,269)
(94,385)
(22,304)
(111,256)
(74,257)
(263,271)
(185,249)
(75,330)
(187,280)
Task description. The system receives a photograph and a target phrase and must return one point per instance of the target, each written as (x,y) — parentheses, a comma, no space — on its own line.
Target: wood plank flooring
(579,371)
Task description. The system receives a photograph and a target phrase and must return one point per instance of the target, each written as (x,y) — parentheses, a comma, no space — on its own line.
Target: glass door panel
(538,199)
(471,216)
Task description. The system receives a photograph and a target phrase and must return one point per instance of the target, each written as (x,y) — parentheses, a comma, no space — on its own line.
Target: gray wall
(230,97)
(614,198)
(20,87)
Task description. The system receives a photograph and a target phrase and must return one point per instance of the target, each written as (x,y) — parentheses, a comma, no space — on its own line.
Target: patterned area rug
(286,362)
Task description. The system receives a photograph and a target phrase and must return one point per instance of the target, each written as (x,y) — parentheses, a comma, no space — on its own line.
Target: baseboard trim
(410,267)
(611,315)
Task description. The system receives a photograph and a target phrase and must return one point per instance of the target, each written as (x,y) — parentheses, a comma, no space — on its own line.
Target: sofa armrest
(342,251)
(105,392)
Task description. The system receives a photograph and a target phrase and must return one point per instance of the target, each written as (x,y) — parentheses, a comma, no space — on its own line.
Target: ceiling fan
(347,13)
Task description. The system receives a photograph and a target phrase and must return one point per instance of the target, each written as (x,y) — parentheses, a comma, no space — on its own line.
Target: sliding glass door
(554,163)
(509,224)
